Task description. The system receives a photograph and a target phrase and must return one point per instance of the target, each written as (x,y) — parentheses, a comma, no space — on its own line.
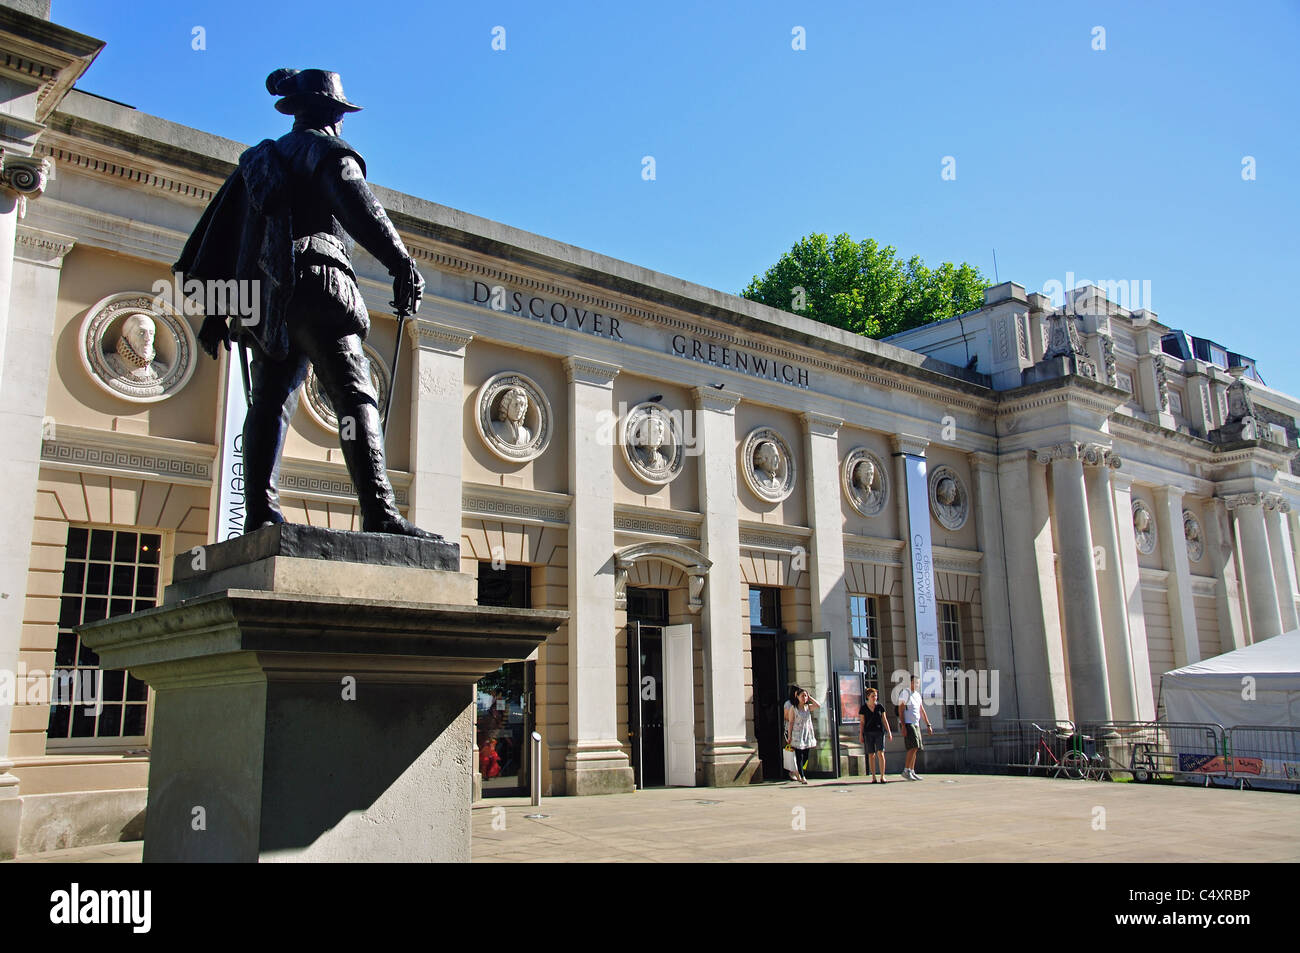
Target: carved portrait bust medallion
(1144,528)
(136,347)
(318,403)
(1195,538)
(652,443)
(513,417)
(864,480)
(767,465)
(949,499)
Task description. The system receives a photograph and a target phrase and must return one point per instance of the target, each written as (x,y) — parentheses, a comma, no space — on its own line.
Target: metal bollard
(537,769)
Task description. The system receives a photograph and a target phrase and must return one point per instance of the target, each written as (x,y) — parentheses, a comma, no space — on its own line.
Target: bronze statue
(283,219)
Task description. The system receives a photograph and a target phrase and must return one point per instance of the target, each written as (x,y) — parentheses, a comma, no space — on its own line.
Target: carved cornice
(82,449)
(711,398)
(515,505)
(908,443)
(1269,501)
(112,164)
(964,562)
(642,522)
(822,425)
(781,539)
(883,552)
(584,370)
(329,482)
(432,336)
(46,247)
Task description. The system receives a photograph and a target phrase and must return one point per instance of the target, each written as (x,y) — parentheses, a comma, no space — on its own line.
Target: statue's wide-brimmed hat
(304,89)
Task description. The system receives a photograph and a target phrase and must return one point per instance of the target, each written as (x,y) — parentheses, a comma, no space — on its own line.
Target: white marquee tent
(1219,690)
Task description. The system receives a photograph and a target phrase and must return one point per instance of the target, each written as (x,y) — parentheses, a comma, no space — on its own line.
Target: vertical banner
(229,509)
(927,624)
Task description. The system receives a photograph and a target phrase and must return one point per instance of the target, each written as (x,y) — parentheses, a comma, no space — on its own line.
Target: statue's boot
(364,454)
(275,396)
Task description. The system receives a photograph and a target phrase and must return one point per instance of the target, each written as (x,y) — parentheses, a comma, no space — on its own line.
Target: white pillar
(34,261)
(596,762)
(727,746)
(1035,609)
(1109,566)
(1084,639)
(437,372)
(1257,566)
(1173,548)
(1223,564)
(995,602)
(1131,580)
(1279,547)
(830,600)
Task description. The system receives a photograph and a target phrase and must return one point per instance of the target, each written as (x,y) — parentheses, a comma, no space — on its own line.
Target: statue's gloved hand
(408,287)
(215,332)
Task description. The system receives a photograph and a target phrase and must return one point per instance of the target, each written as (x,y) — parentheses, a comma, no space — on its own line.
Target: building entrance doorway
(661,683)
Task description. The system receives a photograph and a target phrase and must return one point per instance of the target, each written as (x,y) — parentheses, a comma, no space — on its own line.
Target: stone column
(437,426)
(830,600)
(1108,561)
(1223,564)
(727,746)
(35,261)
(1084,639)
(1279,547)
(1257,565)
(596,762)
(1131,580)
(995,601)
(1035,611)
(1173,547)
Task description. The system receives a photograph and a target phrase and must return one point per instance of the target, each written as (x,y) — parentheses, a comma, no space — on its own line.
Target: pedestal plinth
(312,697)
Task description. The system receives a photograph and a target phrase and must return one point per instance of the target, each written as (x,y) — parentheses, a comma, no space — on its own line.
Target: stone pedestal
(312,697)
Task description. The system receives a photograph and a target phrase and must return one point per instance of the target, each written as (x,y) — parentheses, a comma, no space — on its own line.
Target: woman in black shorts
(873,725)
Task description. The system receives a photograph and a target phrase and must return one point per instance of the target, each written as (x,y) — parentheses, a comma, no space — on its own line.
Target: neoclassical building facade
(726,498)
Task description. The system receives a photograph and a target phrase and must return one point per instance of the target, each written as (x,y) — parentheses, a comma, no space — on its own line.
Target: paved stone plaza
(943,818)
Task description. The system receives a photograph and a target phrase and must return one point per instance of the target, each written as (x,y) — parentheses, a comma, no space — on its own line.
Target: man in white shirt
(910,714)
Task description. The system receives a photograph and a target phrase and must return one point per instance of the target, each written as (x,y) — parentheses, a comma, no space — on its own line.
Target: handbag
(788,759)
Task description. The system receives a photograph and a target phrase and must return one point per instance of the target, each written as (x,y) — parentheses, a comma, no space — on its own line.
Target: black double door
(768,703)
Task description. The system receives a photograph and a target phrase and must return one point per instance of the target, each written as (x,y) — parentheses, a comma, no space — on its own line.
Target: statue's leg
(275,386)
(343,372)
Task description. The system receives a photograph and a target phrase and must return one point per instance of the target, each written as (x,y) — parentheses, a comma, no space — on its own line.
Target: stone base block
(597,768)
(80,818)
(11,813)
(729,765)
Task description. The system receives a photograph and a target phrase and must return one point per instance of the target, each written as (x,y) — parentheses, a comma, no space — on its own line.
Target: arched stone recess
(692,562)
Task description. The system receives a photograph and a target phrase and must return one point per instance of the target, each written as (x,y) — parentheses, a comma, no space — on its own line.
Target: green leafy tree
(865,287)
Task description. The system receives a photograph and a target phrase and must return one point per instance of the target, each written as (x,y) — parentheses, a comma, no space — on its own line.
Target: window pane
(69,612)
(101,544)
(87,657)
(120,607)
(59,721)
(150,548)
(146,582)
(135,720)
(77,542)
(95,609)
(124,580)
(65,652)
(110,721)
(113,687)
(97,579)
(83,721)
(74,577)
(124,551)
(755,609)
(136,690)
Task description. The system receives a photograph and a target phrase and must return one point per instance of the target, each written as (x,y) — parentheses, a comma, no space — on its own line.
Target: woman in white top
(799,730)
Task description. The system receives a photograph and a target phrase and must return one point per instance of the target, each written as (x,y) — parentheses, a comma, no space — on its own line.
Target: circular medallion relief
(137,347)
(1195,539)
(1144,528)
(318,403)
(767,464)
(865,484)
(652,443)
(949,501)
(513,417)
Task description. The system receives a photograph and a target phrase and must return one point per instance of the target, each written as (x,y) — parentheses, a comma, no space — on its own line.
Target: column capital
(25,176)
(431,336)
(908,443)
(982,461)
(821,424)
(1236,501)
(711,398)
(1069,450)
(584,370)
(38,245)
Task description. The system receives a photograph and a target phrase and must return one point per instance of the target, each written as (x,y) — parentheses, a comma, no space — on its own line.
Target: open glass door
(808,664)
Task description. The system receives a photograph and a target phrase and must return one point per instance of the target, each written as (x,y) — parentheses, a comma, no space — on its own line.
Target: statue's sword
(402,309)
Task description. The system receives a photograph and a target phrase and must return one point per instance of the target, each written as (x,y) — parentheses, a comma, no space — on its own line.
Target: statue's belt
(323,250)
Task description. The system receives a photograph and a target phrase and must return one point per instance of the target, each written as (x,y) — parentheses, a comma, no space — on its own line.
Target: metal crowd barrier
(1265,756)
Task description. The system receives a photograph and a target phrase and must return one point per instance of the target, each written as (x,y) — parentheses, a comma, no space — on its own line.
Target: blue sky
(1116,164)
